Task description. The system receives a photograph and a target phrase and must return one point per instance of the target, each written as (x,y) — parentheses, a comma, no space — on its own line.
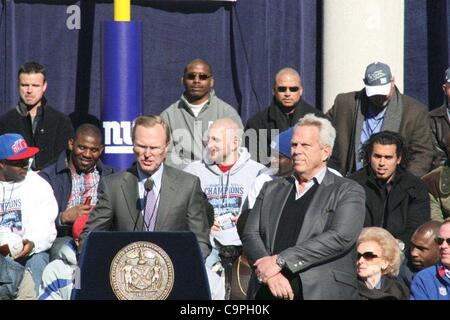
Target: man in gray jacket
(226,174)
(190,117)
(300,235)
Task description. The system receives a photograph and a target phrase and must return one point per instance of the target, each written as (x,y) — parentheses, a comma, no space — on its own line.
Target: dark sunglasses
(291,89)
(440,240)
(366,255)
(201,76)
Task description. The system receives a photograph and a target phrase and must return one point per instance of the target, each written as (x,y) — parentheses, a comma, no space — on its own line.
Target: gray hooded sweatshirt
(227,192)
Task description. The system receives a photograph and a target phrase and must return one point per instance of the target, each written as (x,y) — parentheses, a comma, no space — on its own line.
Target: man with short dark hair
(380,106)
(424,251)
(433,283)
(190,117)
(396,200)
(40,124)
(74,178)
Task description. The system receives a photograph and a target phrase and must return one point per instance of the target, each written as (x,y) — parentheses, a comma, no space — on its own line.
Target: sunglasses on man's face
(368,255)
(284,89)
(201,76)
(440,240)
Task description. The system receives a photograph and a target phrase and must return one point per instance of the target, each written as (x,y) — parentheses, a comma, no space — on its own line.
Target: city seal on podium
(141,271)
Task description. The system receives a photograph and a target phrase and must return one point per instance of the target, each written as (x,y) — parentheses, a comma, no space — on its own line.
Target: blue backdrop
(246,42)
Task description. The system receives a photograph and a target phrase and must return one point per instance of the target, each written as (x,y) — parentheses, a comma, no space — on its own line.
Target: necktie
(150,207)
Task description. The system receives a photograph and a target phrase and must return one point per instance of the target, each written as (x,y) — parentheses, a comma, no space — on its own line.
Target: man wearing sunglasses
(190,117)
(424,251)
(433,283)
(286,109)
(378,107)
(27,205)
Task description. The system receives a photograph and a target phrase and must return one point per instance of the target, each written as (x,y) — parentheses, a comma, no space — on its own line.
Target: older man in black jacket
(395,199)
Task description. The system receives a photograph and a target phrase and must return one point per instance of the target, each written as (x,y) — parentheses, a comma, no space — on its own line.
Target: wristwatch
(281,262)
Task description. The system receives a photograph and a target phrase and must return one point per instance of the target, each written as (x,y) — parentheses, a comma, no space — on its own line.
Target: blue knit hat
(282,143)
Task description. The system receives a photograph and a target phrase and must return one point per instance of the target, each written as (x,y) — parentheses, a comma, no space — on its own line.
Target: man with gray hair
(301,233)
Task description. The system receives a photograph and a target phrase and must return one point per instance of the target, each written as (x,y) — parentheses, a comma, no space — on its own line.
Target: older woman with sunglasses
(378,262)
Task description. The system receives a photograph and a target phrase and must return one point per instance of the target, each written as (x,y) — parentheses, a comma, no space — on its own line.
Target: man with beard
(190,117)
(41,125)
(74,178)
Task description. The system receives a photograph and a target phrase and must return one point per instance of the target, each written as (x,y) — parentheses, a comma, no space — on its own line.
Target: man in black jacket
(395,199)
(440,125)
(286,109)
(41,125)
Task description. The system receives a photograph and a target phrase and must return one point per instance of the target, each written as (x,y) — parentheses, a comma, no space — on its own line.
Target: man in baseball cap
(377,107)
(14,155)
(27,205)
(378,80)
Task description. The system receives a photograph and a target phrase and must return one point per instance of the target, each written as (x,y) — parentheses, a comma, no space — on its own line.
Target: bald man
(286,109)
(226,174)
(424,251)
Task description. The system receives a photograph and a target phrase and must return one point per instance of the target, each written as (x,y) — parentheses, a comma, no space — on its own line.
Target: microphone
(148,185)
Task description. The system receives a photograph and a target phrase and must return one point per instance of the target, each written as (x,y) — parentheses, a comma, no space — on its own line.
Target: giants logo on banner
(118,137)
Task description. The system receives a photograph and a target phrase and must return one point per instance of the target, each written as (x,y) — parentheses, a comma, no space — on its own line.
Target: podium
(141,266)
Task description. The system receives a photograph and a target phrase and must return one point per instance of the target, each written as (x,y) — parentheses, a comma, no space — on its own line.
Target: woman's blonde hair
(389,245)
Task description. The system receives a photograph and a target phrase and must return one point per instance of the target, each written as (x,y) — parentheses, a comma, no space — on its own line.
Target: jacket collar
(22,109)
(62,163)
(275,112)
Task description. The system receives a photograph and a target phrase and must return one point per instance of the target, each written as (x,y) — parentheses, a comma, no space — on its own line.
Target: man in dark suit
(151,196)
(300,235)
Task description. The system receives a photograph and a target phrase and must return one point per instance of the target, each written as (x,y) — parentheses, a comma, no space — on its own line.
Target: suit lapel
(316,209)
(168,190)
(131,195)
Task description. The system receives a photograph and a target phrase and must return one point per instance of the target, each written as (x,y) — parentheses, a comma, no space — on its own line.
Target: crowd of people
(295,204)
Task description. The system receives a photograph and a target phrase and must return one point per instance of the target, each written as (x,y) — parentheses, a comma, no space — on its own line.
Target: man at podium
(151,196)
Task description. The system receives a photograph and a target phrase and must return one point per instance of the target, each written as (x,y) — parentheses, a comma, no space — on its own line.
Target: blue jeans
(212,258)
(36,264)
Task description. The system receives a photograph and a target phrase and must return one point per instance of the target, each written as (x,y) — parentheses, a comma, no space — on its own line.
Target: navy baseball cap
(282,143)
(14,147)
(378,79)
